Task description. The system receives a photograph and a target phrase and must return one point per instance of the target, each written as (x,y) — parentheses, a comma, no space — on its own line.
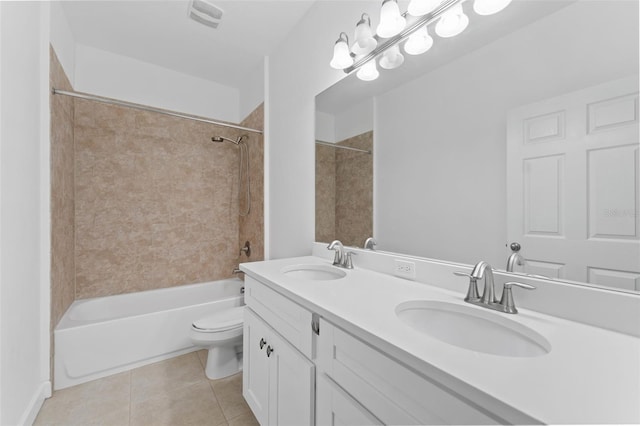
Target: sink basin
(314,272)
(473,329)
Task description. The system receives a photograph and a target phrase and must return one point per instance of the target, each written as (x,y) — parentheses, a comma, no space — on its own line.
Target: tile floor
(171,392)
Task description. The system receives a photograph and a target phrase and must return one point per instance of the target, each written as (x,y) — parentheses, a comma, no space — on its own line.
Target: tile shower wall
(325,193)
(62,195)
(252,226)
(344,192)
(156,201)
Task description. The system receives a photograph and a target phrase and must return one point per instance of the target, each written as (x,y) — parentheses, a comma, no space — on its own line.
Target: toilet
(221,334)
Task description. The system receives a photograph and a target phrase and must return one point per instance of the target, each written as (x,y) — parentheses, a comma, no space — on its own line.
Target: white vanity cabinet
(278,379)
(364,385)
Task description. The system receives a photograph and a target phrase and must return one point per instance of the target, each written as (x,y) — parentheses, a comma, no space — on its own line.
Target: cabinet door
(335,407)
(255,375)
(291,385)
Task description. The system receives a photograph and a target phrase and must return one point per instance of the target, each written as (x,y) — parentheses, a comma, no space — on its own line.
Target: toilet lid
(221,321)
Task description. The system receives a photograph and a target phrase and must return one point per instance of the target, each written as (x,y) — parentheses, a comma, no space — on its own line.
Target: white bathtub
(107,335)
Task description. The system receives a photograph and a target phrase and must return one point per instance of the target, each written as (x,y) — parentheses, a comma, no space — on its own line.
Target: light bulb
(489,7)
(392,58)
(391,21)
(364,40)
(418,42)
(422,7)
(341,57)
(369,71)
(452,22)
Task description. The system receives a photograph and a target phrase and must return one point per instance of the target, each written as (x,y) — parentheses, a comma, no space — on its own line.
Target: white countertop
(591,375)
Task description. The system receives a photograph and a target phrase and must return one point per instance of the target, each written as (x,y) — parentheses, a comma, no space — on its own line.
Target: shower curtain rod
(111,101)
(333,145)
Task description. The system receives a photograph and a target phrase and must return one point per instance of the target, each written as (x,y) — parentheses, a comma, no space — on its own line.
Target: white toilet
(221,334)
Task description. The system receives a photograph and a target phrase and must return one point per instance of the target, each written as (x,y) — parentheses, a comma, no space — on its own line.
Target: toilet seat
(225,320)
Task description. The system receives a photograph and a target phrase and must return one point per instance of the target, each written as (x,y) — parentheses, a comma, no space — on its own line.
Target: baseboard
(30,414)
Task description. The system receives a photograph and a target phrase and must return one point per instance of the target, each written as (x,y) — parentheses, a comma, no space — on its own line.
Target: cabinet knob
(262,342)
(270,350)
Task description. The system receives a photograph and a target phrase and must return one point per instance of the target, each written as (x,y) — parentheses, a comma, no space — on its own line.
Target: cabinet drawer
(336,407)
(292,321)
(391,391)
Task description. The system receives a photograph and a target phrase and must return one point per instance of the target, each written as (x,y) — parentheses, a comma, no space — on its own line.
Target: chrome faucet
(338,258)
(488,299)
(341,258)
(370,243)
(484,270)
(515,258)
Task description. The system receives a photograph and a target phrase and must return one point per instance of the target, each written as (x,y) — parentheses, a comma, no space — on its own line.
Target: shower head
(223,139)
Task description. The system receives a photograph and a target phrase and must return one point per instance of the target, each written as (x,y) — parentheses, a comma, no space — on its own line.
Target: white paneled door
(573,180)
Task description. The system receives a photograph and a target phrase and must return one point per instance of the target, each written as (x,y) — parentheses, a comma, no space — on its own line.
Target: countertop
(591,375)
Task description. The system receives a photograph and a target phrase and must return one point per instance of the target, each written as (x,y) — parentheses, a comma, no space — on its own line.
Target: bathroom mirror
(474,143)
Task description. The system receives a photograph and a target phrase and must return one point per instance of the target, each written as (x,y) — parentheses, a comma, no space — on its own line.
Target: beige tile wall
(252,226)
(354,191)
(156,201)
(325,193)
(351,219)
(62,196)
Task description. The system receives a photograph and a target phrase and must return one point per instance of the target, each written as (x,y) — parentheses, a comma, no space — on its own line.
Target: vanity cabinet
(366,385)
(278,380)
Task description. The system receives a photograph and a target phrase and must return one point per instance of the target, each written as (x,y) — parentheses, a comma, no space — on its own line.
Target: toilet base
(223,361)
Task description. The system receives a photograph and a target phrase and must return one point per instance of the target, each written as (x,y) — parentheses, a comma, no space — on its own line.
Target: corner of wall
(62,40)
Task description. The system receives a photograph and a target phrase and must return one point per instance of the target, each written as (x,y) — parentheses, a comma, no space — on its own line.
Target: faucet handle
(506,301)
(472,291)
(348,261)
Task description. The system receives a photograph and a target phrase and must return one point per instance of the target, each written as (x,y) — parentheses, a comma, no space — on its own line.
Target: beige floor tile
(229,395)
(162,378)
(191,405)
(202,355)
(246,419)
(99,402)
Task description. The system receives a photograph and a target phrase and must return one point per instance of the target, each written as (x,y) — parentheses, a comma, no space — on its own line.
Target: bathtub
(107,335)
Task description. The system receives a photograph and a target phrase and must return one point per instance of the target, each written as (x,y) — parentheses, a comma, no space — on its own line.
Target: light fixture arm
(413,24)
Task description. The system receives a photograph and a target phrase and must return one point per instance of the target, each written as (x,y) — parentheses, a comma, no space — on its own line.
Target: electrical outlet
(405,269)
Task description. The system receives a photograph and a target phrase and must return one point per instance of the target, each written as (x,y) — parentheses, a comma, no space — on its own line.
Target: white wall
(355,120)
(325,127)
(252,91)
(62,40)
(24,286)
(298,71)
(115,76)
(440,150)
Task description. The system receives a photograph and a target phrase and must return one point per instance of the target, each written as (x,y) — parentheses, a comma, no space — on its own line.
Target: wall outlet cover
(404,269)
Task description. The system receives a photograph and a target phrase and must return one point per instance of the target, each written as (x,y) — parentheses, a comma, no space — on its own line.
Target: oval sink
(313,272)
(473,329)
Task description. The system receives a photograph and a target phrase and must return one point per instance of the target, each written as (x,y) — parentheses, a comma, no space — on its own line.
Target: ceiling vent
(205,13)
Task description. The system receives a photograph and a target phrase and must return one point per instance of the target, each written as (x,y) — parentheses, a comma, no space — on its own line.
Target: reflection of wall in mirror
(344,191)
(440,186)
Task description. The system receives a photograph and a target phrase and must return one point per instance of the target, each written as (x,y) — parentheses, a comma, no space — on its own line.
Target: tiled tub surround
(344,191)
(589,376)
(252,225)
(156,200)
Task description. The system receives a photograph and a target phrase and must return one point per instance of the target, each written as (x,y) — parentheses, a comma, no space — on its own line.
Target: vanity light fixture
(410,28)
(489,7)
(364,42)
(341,56)
(452,22)
(368,72)
(391,20)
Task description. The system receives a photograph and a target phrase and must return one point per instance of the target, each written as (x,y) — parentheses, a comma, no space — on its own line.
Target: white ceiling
(160,32)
